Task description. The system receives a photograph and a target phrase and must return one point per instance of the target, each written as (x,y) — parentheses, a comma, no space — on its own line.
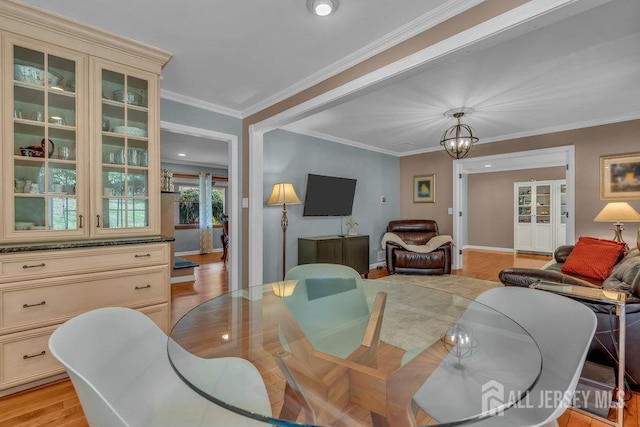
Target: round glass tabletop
(354,352)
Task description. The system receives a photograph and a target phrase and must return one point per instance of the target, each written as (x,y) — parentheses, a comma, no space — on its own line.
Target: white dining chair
(330,306)
(563,330)
(117,361)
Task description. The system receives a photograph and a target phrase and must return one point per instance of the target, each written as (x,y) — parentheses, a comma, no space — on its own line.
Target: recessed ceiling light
(182,155)
(322,7)
(487,166)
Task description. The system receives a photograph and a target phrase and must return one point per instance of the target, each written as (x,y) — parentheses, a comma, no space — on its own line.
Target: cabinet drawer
(43,302)
(25,357)
(31,265)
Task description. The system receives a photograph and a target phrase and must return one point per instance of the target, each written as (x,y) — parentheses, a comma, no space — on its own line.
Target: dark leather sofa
(602,350)
(416,232)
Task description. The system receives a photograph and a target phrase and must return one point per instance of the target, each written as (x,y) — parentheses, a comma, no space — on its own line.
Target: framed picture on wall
(620,177)
(424,188)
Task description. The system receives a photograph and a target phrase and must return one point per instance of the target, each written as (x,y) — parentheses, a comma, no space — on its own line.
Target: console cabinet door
(45,147)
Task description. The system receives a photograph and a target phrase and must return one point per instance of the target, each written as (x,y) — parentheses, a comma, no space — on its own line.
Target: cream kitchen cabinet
(56,285)
(80,174)
(81,154)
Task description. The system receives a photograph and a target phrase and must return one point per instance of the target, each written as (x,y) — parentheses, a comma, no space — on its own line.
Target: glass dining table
(351,352)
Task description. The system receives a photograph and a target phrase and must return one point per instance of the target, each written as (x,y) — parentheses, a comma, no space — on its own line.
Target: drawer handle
(137,288)
(33,305)
(143,256)
(31,356)
(34,266)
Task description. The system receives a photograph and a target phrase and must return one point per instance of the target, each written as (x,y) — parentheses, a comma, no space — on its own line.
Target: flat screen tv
(329,196)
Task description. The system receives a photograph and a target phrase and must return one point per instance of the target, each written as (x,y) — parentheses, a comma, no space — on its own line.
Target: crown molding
(187,100)
(413,28)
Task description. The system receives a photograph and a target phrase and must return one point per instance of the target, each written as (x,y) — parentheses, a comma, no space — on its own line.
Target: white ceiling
(562,71)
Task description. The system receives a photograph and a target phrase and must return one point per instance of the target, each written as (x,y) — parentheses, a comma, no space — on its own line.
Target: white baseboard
(182,279)
(377,264)
(489,248)
(193,252)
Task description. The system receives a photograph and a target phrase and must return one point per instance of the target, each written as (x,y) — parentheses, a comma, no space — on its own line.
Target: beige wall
(490,195)
(590,144)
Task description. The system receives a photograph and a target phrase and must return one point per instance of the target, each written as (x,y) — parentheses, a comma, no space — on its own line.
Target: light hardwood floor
(57,404)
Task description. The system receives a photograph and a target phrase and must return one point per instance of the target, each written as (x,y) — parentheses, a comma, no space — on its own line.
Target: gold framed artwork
(424,188)
(620,177)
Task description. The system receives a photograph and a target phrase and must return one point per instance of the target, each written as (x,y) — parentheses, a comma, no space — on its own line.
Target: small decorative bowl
(26,73)
(130,97)
(29,152)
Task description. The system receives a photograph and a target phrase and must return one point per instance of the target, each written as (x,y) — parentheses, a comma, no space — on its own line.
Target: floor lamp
(616,212)
(283,194)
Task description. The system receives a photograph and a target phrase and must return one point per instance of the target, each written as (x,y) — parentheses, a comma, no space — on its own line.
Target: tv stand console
(352,251)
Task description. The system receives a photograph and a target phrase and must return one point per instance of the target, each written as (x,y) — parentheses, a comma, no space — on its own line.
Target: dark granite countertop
(75,244)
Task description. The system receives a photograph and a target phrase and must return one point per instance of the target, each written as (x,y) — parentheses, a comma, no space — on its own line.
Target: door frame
(531,159)
(233,204)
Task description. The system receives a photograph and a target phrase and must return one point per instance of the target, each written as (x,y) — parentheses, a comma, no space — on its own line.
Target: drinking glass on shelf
(64,152)
(133,157)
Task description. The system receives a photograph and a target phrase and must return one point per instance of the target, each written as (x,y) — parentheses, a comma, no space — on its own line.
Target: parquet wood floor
(57,404)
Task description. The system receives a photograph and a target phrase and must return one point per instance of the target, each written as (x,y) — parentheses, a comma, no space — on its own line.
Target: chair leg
(224,240)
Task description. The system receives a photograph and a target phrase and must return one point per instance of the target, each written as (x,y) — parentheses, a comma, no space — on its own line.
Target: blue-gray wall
(188,240)
(290,157)
(176,112)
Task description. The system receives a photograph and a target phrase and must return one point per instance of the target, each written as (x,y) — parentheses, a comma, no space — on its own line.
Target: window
(190,199)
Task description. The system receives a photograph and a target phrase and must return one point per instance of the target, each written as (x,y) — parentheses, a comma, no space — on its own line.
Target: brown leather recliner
(416,232)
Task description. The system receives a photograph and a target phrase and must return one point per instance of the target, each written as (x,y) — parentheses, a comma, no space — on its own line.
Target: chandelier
(458,139)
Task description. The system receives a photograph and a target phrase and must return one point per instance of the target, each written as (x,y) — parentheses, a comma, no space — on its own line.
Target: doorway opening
(531,159)
(234,210)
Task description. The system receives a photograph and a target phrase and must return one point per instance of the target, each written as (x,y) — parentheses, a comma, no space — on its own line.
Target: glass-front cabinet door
(563,204)
(127,186)
(543,204)
(524,204)
(45,142)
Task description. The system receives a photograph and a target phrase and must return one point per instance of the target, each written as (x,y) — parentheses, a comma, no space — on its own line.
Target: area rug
(459,285)
(415,319)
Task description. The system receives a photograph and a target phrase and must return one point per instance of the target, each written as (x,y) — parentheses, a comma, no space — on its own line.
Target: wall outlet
(380,255)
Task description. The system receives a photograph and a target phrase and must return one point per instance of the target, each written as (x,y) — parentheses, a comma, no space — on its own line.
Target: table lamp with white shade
(283,194)
(616,212)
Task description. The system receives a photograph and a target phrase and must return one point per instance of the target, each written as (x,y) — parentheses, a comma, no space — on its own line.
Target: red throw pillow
(593,257)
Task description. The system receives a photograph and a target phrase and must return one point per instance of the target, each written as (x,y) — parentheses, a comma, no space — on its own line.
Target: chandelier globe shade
(458,139)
